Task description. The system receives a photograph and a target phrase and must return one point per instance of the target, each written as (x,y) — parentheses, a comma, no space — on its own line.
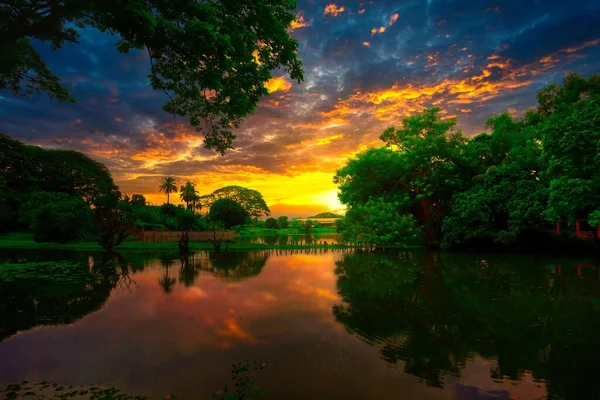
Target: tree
(571,140)
(25,170)
(138,200)
(188,194)
(57,217)
(168,186)
(308,224)
(227,212)
(283,222)
(212,58)
(113,225)
(422,165)
(509,195)
(271,223)
(378,223)
(296,225)
(250,199)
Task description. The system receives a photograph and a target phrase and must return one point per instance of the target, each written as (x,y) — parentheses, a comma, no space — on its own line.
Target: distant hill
(326,215)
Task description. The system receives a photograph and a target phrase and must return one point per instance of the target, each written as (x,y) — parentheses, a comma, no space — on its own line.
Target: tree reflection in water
(435,312)
(34,293)
(231,266)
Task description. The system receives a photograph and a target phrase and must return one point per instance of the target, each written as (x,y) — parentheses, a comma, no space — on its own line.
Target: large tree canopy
(251,200)
(25,170)
(419,168)
(501,187)
(228,212)
(211,57)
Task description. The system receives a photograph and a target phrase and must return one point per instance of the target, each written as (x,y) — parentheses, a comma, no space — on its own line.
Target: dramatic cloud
(300,22)
(334,10)
(372,65)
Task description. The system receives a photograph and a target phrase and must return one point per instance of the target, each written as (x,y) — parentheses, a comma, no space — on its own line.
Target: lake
(311,324)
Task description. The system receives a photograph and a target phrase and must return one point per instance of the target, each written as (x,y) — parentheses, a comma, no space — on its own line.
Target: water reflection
(467,326)
(308,239)
(436,312)
(46,294)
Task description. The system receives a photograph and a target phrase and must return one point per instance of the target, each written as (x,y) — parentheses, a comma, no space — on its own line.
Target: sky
(368,65)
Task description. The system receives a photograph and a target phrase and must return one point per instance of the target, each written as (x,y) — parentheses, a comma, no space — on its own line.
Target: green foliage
(227,212)
(571,139)
(308,224)
(57,217)
(340,225)
(496,188)
(212,59)
(165,217)
(283,222)
(25,170)
(421,166)
(251,200)
(594,218)
(271,223)
(378,223)
(113,224)
(296,225)
(508,199)
(189,195)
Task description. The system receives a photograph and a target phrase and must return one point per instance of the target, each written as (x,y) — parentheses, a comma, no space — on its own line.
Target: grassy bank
(25,241)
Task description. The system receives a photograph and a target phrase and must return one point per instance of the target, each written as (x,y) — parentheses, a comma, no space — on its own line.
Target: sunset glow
(367,66)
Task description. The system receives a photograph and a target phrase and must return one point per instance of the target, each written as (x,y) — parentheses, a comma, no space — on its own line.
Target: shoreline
(170,246)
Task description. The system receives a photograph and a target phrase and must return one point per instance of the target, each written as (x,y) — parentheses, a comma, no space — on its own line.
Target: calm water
(323,324)
(297,239)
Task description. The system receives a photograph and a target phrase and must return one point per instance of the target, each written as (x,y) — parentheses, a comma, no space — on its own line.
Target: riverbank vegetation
(505,188)
(427,184)
(64,197)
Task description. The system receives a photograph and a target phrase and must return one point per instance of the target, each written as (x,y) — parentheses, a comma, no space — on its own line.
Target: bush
(57,217)
(228,212)
(283,222)
(271,223)
(186,221)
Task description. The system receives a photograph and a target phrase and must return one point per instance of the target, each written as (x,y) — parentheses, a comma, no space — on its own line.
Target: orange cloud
(374,31)
(279,84)
(332,9)
(367,44)
(393,19)
(583,46)
(117,119)
(402,100)
(328,139)
(300,22)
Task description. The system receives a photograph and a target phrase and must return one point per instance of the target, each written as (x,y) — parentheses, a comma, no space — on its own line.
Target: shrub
(271,223)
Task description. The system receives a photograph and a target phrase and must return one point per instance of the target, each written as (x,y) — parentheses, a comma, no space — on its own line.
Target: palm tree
(196,203)
(188,194)
(168,186)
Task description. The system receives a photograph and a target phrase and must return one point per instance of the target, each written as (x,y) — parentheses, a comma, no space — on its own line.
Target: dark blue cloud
(432,41)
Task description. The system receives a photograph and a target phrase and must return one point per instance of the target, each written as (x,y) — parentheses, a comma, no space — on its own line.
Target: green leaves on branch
(378,223)
(497,188)
(251,200)
(212,59)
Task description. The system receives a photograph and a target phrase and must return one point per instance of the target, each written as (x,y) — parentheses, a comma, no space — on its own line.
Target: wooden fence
(174,236)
